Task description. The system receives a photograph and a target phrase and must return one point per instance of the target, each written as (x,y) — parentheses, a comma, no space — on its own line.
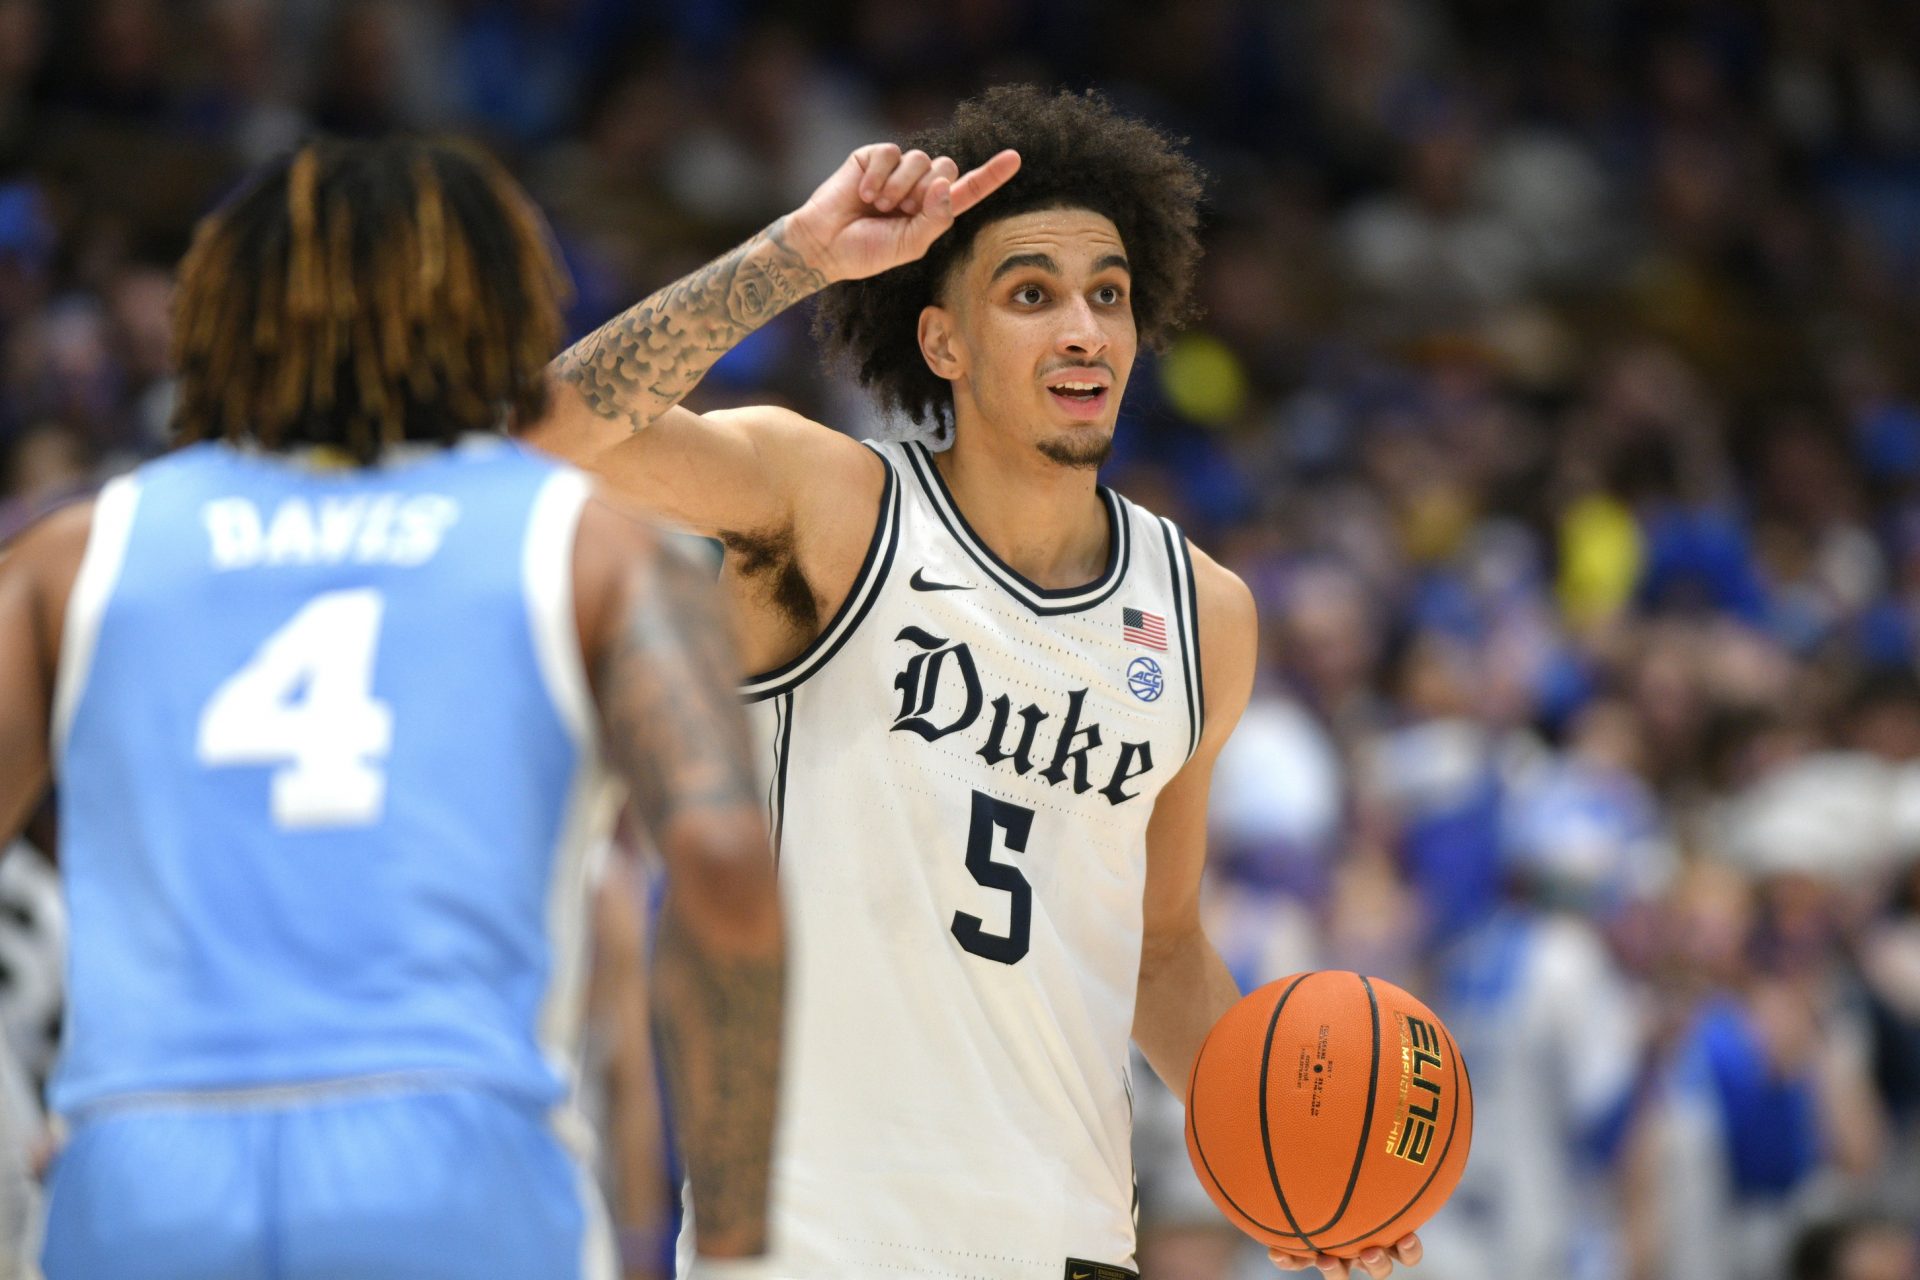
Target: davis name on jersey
(361,528)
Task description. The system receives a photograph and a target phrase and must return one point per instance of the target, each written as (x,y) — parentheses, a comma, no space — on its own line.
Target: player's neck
(1045,521)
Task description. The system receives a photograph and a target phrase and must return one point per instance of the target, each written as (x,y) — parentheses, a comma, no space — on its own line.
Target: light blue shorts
(387,1186)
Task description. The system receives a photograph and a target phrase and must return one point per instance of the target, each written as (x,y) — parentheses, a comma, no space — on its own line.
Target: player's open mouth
(1081,399)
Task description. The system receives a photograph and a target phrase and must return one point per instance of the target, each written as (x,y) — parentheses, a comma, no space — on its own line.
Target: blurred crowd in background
(1558,395)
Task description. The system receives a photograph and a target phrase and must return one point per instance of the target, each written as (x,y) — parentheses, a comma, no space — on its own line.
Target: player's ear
(940,343)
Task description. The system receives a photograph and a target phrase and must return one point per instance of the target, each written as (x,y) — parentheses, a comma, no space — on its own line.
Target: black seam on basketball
(1221,1187)
(1193,1130)
(1208,1165)
(1453,1126)
(1366,1118)
(1266,1134)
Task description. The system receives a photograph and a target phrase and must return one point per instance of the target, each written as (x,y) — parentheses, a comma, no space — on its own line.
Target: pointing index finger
(984,181)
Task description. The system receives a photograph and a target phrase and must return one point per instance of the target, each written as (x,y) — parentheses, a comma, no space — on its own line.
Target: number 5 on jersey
(970,930)
(305,701)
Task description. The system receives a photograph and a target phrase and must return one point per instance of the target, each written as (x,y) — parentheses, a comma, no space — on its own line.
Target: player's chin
(1084,447)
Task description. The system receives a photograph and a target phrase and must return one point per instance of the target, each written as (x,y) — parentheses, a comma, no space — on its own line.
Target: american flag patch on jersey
(1140,627)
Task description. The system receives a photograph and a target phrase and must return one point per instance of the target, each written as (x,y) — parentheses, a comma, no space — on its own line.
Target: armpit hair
(768,555)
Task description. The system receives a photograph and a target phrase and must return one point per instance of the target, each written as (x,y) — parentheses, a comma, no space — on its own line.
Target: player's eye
(1029,295)
(1108,295)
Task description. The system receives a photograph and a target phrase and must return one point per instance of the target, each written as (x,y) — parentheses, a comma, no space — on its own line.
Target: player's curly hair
(357,294)
(1076,152)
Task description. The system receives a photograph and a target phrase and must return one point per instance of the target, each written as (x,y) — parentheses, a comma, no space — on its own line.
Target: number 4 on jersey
(305,702)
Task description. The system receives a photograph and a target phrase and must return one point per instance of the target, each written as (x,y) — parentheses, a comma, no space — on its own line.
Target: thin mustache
(1098,364)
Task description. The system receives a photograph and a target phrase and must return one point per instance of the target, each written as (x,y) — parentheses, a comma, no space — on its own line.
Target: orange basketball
(1329,1112)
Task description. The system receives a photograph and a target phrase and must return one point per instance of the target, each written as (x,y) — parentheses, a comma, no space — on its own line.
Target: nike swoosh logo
(919,583)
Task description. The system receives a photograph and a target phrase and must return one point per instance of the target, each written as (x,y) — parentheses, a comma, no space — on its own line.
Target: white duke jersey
(960,773)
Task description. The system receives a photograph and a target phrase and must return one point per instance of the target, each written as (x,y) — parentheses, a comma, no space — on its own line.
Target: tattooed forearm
(717,1021)
(666,686)
(640,363)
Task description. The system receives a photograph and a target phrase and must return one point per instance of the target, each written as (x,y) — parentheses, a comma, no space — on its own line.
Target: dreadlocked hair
(1076,152)
(358,294)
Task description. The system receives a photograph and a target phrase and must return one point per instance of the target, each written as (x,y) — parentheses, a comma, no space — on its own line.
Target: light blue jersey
(323,746)
(328,793)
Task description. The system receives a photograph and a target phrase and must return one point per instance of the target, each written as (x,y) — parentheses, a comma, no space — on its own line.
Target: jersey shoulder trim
(1043,601)
(546,575)
(93,584)
(853,610)
(1186,624)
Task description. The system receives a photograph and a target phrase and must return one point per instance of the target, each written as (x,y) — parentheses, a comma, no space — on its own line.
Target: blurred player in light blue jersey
(332,696)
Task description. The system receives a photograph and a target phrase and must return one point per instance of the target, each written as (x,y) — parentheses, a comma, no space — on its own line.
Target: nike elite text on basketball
(1419,1105)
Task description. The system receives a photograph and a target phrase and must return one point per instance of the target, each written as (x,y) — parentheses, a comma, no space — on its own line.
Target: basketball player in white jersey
(989,692)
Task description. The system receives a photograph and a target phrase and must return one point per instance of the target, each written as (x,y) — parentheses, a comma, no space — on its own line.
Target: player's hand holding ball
(1329,1116)
(1376,1263)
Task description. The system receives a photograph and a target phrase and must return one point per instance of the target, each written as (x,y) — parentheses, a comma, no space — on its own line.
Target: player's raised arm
(663,671)
(879,209)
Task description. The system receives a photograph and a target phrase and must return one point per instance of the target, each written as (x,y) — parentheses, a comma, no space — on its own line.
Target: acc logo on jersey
(1144,678)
